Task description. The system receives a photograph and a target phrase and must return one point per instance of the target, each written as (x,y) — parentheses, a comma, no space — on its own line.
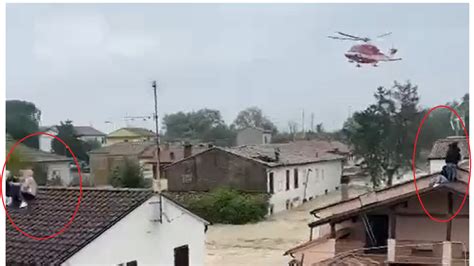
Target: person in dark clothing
(21,191)
(453,155)
(449,171)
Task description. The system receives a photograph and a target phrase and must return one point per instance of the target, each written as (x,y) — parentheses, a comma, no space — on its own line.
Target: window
(295,178)
(187,177)
(56,174)
(265,140)
(287,204)
(271,209)
(270,184)
(172,156)
(316,173)
(287,180)
(181,256)
(322,174)
(125,140)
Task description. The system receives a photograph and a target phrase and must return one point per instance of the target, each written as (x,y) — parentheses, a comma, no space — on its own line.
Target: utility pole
(302,122)
(312,122)
(157,183)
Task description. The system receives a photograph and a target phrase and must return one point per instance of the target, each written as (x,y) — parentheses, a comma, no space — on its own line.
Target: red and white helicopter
(366,53)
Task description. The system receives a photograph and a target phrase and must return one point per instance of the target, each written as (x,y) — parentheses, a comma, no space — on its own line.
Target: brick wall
(216,168)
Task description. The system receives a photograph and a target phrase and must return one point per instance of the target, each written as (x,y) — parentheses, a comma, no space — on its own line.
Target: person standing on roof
(453,156)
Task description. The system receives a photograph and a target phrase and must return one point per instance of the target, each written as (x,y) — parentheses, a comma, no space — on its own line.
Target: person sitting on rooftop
(449,171)
(22,192)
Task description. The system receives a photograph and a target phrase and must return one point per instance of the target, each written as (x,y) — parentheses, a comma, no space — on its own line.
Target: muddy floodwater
(265,242)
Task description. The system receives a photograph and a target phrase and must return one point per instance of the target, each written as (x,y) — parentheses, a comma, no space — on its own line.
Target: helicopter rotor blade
(352,36)
(342,38)
(383,35)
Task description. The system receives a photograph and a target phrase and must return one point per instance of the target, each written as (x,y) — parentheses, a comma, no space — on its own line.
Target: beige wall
(114,140)
(414,228)
(422,228)
(102,166)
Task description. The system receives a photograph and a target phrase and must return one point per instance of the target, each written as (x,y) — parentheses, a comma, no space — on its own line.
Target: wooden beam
(437,215)
(392,224)
(333,230)
(450,212)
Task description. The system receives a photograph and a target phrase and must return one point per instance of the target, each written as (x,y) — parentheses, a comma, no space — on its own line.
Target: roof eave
(351,213)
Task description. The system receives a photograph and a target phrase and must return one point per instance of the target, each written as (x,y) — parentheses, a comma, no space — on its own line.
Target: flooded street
(265,242)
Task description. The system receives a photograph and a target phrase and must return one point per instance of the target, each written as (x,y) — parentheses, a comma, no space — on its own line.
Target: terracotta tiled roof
(384,197)
(87,131)
(126,148)
(168,154)
(441,147)
(137,131)
(33,155)
(351,259)
(293,153)
(51,210)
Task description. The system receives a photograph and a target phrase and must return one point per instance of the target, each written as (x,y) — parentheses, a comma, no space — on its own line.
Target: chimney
(188,150)
(277,154)
(344,192)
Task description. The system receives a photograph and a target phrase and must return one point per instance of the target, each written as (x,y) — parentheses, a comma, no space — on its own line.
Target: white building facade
(253,136)
(138,239)
(290,186)
(45,141)
(59,170)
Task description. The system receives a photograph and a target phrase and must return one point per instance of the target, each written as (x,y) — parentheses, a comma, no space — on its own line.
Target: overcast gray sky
(95,62)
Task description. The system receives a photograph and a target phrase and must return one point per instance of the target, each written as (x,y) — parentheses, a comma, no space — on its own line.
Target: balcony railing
(406,252)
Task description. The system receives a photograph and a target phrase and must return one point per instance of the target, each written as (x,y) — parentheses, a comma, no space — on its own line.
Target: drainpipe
(306,183)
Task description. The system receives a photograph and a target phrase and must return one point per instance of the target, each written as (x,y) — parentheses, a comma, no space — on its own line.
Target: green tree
(383,134)
(22,119)
(41,175)
(67,134)
(253,117)
(437,125)
(465,106)
(229,206)
(320,128)
(92,145)
(129,175)
(15,162)
(203,125)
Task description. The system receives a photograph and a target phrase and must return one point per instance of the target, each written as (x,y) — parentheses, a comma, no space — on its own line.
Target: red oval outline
(414,168)
(78,199)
